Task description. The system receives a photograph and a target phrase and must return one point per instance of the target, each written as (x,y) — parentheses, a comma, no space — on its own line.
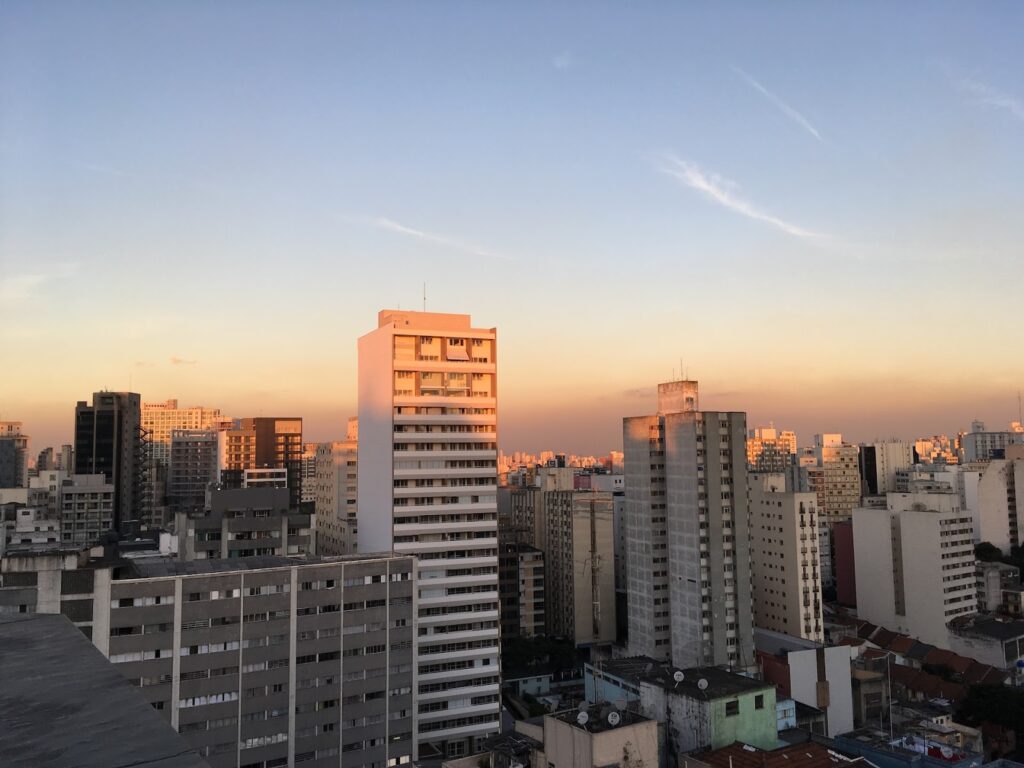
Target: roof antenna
(424,297)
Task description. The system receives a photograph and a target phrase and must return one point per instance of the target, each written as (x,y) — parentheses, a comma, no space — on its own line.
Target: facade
(700,708)
(427,478)
(904,552)
(880,463)
(86,509)
(193,465)
(309,472)
(522,590)
(264,443)
(687,532)
(997,517)
(631,741)
(109,440)
(576,532)
(836,479)
(992,580)
(979,445)
(13,455)
(244,522)
(770,449)
(784,558)
(336,496)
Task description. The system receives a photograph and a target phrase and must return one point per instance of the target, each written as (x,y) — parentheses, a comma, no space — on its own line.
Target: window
(732,708)
(759,701)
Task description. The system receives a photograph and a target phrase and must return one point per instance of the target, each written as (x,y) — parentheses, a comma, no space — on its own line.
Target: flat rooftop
(63,705)
(166,566)
(597,718)
(720,682)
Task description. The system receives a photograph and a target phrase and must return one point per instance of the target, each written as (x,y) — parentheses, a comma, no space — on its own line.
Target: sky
(812,208)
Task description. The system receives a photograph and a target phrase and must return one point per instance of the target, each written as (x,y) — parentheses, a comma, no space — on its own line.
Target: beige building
(336,494)
(600,737)
(999,484)
(576,532)
(770,449)
(784,558)
(427,477)
(915,565)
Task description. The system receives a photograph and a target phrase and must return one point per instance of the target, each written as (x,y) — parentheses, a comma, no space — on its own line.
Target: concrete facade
(997,503)
(336,498)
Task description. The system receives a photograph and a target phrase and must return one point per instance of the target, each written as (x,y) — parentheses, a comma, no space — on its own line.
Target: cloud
(990,96)
(429,237)
(787,110)
(182,361)
(720,191)
(26,286)
(562,61)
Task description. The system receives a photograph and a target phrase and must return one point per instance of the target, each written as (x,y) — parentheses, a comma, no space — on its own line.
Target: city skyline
(808,221)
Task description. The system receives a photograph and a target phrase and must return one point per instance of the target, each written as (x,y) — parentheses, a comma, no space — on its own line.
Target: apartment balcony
(405,529)
(451,714)
(458,617)
(460,655)
(462,731)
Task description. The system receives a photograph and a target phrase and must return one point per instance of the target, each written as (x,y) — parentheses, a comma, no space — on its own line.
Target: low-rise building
(993,579)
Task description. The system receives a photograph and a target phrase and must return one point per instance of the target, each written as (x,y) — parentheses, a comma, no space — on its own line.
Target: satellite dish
(947,752)
(582,718)
(614,718)
(679,676)
(702,684)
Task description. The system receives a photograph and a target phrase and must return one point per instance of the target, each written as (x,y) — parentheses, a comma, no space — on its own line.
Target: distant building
(336,497)
(998,518)
(687,532)
(880,463)
(836,480)
(979,445)
(109,440)
(522,589)
(193,465)
(264,443)
(575,530)
(701,708)
(245,522)
(627,739)
(87,509)
(770,449)
(13,455)
(993,579)
(784,561)
(922,540)
(845,563)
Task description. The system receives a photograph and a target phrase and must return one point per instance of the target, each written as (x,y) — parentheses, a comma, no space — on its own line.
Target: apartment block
(784,558)
(86,509)
(576,532)
(770,449)
(336,495)
(13,455)
(980,445)
(193,466)
(880,464)
(687,533)
(522,589)
(915,565)
(244,522)
(427,483)
(109,440)
(997,507)
(264,443)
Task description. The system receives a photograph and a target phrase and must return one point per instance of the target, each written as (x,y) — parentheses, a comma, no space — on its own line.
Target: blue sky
(816,205)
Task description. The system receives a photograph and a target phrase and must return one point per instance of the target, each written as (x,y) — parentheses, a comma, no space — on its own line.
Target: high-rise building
(523,592)
(265,443)
(427,486)
(309,472)
(88,507)
(194,464)
(998,509)
(880,463)
(576,532)
(13,455)
(109,441)
(687,533)
(915,562)
(336,497)
(770,449)
(835,478)
(979,445)
(784,558)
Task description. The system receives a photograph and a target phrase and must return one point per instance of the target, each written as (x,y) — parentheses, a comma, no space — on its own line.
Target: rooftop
(599,718)
(719,682)
(808,754)
(164,566)
(90,717)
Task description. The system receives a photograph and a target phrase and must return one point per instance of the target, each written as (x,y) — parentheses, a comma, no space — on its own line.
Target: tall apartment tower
(13,455)
(879,464)
(770,449)
(265,443)
(335,494)
(427,485)
(109,441)
(687,533)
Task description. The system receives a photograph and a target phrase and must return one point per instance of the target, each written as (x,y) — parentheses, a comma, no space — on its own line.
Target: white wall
(376,441)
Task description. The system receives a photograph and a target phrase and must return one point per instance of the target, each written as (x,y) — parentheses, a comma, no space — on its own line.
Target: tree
(994,704)
(988,553)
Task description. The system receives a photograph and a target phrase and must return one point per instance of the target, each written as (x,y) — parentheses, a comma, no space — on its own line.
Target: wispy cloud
(430,237)
(986,94)
(182,361)
(562,61)
(28,285)
(787,110)
(721,191)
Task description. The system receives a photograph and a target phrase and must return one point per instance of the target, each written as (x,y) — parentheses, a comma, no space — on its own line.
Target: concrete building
(336,496)
(844,563)
(87,509)
(836,479)
(770,449)
(626,739)
(784,558)
(194,465)
(979,445)
(13,455)
(915,562)
(996,641)
(264,443)
(993,579)
(522,590)
(879,464)
(997,516)
(27,525)
(701,708)
(687,532)
(576,532)
(811,674)
(427,480)
(244,522)
(109,440)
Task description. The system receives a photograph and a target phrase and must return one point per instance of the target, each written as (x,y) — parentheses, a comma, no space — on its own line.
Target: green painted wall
(753,725)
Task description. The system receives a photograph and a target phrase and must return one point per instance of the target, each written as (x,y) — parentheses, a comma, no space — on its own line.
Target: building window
(732,708)
(759,701)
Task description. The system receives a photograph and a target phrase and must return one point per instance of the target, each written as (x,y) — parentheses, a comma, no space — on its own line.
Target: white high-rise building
(427,485)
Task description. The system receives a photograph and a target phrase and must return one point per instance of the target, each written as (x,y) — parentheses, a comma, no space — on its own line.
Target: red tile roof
(807,755)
